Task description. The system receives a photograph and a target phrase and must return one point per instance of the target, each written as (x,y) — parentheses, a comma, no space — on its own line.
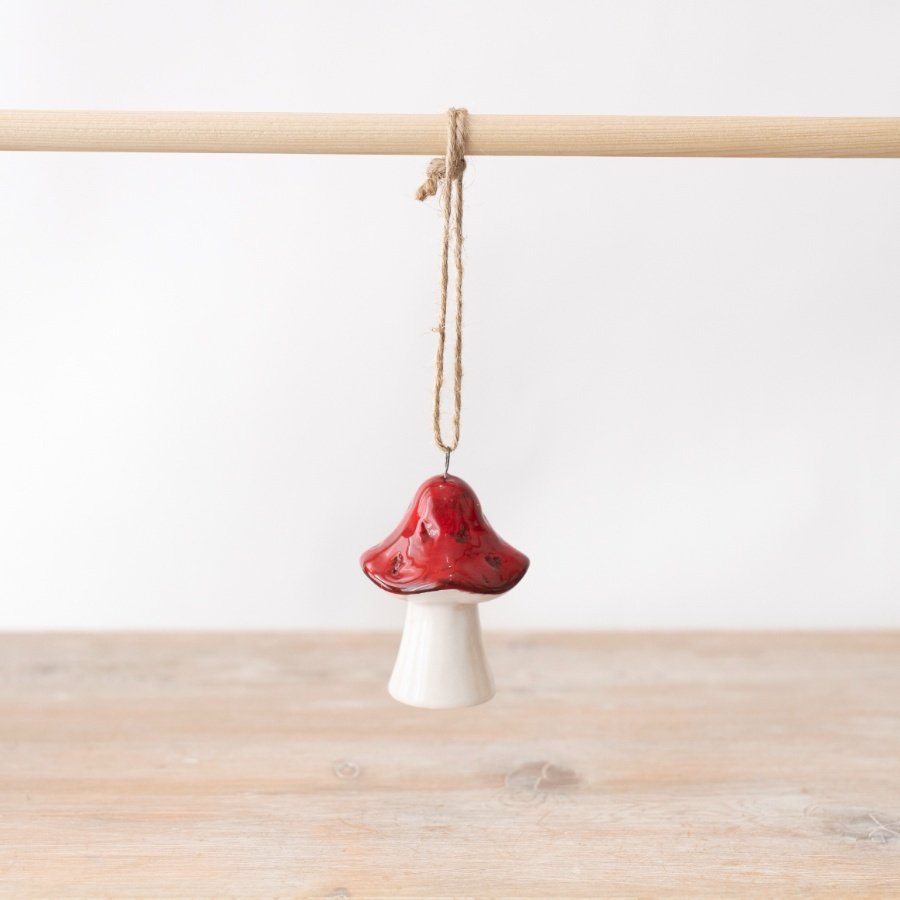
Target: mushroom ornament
(445,559)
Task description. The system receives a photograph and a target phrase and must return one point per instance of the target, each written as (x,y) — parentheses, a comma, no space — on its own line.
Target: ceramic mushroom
(446,559)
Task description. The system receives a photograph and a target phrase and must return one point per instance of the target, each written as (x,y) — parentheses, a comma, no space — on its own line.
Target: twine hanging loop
(446,172)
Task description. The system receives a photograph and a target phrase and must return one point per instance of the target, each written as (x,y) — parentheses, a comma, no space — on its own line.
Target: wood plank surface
(608,765)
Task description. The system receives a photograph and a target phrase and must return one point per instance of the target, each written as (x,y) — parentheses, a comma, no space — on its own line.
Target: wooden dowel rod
(425,135)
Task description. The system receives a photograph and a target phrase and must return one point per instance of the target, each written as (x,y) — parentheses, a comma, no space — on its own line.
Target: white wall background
(682,385)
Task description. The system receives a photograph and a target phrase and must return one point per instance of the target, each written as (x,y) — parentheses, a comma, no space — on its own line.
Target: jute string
(446,172)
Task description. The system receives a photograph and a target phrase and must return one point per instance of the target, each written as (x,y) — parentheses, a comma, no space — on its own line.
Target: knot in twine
(436,173)
(446,172)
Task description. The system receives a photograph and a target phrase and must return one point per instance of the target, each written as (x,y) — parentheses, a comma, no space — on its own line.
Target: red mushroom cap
(444,542)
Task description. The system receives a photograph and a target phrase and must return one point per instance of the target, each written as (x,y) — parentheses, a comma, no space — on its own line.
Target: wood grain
(608,765)
(426,135)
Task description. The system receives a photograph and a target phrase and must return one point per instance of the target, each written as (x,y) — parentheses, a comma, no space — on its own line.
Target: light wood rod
(424,135)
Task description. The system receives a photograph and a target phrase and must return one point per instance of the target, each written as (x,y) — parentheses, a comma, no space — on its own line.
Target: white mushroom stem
(441,662)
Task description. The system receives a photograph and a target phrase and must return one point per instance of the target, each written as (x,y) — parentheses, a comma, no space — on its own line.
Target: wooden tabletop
(609,765)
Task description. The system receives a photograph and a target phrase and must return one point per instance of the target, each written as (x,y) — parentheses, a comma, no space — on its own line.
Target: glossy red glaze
(444,542)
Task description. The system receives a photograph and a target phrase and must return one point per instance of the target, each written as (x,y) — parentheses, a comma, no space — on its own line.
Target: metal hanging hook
(446,462)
